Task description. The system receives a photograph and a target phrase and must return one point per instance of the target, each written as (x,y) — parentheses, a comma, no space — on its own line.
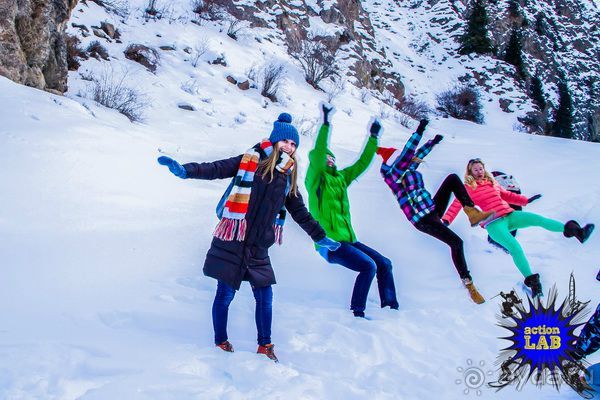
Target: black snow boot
(533,282)
(572,228)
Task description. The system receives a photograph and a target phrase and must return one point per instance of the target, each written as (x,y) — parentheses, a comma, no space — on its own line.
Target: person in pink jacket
(488,195)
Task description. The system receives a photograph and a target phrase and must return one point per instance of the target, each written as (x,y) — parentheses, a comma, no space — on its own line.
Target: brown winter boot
(477,217)
(475,295)
(226,346)
(268,351)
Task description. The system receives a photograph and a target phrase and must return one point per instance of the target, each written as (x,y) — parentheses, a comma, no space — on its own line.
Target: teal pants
(499,230)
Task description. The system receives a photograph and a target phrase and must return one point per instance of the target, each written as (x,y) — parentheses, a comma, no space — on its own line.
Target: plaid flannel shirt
(407,183)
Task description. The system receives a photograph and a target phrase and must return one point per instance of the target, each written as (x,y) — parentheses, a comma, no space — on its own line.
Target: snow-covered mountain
(102,293)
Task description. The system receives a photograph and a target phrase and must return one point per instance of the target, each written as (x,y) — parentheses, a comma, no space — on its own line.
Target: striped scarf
(233,206)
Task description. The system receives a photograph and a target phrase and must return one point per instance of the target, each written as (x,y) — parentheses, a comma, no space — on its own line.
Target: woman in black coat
(252,212)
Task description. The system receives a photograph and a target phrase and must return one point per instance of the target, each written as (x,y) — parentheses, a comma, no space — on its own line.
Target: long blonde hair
(267,166)
(470,179)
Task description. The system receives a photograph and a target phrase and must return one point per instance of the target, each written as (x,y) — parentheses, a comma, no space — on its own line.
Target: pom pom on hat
(283,129)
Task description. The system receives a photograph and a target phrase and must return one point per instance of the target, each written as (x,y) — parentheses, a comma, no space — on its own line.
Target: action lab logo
(542,339)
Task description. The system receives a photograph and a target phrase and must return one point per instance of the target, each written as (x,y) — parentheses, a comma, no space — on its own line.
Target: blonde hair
(267,166)
(470,179)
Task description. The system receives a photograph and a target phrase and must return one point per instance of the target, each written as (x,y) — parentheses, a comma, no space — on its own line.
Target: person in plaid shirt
(399,170)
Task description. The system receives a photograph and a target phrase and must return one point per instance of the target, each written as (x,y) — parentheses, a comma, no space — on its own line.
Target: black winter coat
(235,261)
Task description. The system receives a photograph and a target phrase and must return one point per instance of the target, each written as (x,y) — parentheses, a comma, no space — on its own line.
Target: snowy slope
(102,293)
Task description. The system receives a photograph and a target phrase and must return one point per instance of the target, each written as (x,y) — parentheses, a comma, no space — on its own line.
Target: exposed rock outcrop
(33,47)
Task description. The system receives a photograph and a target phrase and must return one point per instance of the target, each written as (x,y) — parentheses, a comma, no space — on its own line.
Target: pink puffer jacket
(489,197)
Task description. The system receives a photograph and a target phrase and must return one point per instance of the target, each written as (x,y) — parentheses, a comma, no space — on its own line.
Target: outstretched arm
(427,147)
(513,198)
(214,170)
(411,145)
(295,205)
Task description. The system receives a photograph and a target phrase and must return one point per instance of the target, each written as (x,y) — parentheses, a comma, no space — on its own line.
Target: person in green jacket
(328,203)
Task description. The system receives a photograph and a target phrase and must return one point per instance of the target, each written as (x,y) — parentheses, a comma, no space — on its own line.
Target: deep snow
(102,293)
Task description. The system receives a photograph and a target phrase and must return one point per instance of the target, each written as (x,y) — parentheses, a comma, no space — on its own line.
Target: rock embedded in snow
(144,55)
(109,29)
(186,106)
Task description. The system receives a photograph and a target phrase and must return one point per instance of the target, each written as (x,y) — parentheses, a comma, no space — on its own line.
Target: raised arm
(220,169)
(317,157)
(411,145)
(355,170)
(427,147)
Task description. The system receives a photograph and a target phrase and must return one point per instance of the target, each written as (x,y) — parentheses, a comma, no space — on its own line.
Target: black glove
(326,110)
(437,139)
(375,129)
(446,223)
(533,198)
(422,126)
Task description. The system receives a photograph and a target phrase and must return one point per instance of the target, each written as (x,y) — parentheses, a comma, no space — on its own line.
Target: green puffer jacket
(327,187)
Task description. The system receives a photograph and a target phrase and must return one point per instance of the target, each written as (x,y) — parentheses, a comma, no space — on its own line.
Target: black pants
(432,224)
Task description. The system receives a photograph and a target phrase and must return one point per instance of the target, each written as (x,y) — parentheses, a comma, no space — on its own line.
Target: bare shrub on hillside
(212,10)
(412,107)
(199,50)
(74,52)
(112,91)
(271,76)
(317,57)
(235,28)
(461,102)
(334,87)
(96,50)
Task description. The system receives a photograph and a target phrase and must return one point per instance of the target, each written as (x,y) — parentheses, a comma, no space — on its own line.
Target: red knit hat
(389,154)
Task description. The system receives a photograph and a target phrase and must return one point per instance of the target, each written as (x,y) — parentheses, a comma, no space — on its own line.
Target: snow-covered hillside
(102,293)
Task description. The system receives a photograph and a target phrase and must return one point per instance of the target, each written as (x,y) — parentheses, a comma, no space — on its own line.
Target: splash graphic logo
(542,340)
(473,377)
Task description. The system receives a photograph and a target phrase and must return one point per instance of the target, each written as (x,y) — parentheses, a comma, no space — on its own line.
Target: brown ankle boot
(477,217)
(226,346)
(475,295)
(268,351)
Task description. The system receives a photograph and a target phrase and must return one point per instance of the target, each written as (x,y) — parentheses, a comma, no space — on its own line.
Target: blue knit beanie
(283,129)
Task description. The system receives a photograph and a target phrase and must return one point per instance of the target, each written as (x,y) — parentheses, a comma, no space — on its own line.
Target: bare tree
(317,58)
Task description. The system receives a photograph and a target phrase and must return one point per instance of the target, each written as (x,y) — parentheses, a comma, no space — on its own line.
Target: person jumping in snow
(399,170)
(252,213)
(328,202)
(490,196)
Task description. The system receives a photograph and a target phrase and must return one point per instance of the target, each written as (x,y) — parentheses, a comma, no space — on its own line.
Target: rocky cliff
(32,42)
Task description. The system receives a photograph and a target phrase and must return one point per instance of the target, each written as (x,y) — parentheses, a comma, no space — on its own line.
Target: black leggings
(432,224)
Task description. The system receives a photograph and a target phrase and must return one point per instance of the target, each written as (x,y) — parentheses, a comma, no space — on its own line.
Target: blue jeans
(263,314)
(369,263)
